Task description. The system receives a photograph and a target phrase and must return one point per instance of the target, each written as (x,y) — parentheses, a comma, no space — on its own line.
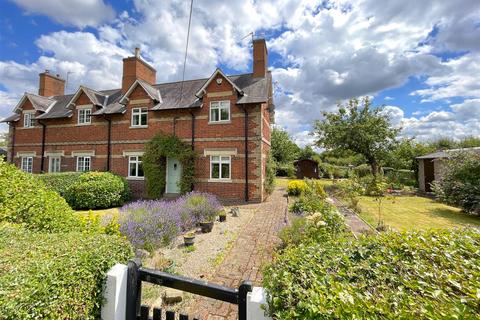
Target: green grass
(411,212)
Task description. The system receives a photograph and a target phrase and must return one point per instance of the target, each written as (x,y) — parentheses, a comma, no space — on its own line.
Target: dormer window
(139,117)
(28,120)
(220,111)
(84,116)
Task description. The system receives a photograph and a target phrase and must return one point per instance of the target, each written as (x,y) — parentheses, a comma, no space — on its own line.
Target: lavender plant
(151,224)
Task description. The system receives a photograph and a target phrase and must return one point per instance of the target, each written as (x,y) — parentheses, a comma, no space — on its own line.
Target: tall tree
(360,128)
(284,150)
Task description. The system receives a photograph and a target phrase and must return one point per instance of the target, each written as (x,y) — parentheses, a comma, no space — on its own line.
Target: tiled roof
(448,153)
(171,95)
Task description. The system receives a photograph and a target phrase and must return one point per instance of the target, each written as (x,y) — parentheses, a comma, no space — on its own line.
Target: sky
(418,59)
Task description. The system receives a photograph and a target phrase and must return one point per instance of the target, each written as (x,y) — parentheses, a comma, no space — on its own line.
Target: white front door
(174,174)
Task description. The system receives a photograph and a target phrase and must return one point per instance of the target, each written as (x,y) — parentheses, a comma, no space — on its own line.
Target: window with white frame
(139,117)
(28,120)
(84,116)
(220,167)
(54,164)
(135,167)
(219,111)
(27,164)
(84,163)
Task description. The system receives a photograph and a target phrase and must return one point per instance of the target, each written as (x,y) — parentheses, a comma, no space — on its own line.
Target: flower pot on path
(206,226)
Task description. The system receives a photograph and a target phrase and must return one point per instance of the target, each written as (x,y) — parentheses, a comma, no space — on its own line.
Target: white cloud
(78,13)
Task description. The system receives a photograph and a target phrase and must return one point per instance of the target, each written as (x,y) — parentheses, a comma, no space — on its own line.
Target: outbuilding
(306,168)
(430,166)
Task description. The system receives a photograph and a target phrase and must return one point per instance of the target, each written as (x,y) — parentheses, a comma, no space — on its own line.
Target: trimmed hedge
(25,200)
(55,276)
(59,182)
(411,275)
(97,190)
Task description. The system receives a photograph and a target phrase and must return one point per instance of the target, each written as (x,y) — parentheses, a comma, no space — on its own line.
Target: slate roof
(255,90)
(447,153)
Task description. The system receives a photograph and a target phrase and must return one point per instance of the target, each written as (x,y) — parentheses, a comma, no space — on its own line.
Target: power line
(186,50)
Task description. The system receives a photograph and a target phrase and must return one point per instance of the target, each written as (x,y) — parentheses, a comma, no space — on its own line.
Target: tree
(284,150)
(3,139)
(360,128)
(404,155)
(307,153)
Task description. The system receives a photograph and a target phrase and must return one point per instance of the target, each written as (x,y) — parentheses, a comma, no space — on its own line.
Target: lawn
(411,212)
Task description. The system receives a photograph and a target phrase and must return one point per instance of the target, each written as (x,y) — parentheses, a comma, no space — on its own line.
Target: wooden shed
(306,168)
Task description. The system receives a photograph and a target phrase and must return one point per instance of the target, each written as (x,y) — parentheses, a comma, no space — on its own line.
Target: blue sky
(421,59)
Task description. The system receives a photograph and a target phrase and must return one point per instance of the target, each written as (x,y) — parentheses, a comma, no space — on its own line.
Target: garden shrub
(410,275)
(55,276)
(25,200)
(100,223)
(296,187)
(95,190)
(151,224)
(59,182)
(460,182)
(315,187)
(154,163)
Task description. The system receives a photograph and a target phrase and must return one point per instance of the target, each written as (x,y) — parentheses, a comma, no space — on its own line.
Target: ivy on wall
(157,151)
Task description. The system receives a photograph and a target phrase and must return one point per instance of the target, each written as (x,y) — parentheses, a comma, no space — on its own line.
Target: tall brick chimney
(135,68)
(50,85)
(260,58)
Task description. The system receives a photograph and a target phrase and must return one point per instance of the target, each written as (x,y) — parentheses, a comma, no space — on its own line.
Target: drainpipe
(42,159)
(193,129)
(174,125)
(109,141)
(12,156)
(246,152)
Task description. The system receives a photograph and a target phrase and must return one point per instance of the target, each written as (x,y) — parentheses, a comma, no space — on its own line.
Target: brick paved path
(252,249)
(352,220)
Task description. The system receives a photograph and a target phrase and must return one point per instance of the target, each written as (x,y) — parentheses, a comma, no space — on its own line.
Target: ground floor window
(135,168)
(27,164)
(220,167)
(84,163)
(54,164)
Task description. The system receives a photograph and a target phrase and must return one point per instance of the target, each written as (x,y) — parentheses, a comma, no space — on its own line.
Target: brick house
(226,119)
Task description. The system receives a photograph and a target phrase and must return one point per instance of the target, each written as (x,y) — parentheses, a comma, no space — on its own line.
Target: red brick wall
(67,136)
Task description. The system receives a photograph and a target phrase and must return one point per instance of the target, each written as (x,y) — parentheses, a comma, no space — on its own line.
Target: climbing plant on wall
(155,157)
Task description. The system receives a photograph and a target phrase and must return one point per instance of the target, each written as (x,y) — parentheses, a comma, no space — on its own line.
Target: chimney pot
(137,52)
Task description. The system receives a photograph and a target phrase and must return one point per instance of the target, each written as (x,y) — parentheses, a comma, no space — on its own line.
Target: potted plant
(189,238)
(206,225)
(222,216)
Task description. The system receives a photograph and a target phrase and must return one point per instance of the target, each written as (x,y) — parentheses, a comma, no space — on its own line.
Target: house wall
(66,136)
(421,175)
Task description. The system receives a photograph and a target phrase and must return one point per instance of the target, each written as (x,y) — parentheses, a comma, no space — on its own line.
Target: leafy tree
(284,150)
(403,156)
(360,128)
(307,153)
(3,139)
(469,142)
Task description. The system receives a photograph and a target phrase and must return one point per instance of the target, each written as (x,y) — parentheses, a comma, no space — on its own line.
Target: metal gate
(137,275)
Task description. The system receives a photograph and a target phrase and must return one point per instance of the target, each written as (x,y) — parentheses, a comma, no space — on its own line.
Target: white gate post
(255,300)
(115,293)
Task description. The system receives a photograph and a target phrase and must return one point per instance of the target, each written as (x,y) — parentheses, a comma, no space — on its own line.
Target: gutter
(246,151)
(42,159)
(13,144)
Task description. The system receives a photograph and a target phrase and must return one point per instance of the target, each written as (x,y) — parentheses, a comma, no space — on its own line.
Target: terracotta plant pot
(189,240)
(222,218)
(206,226)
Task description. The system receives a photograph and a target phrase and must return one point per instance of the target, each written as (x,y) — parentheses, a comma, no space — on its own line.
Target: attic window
(219,81)
(28,120)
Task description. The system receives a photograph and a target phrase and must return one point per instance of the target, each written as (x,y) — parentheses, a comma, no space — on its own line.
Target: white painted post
(255,300)
(115,293)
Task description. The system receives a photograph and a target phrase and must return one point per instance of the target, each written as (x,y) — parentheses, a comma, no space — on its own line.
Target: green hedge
(59,182)
(96,190)
(55,276)
(25,200)
(411,275)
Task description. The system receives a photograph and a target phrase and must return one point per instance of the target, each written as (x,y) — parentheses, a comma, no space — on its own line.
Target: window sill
(220,122)
(138,127)
(83,124)
(220,180)
(135,178)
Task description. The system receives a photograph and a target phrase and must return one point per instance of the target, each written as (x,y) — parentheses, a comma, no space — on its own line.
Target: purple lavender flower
(153,223)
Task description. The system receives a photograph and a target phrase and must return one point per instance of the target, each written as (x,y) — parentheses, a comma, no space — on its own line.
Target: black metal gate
(137,275)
